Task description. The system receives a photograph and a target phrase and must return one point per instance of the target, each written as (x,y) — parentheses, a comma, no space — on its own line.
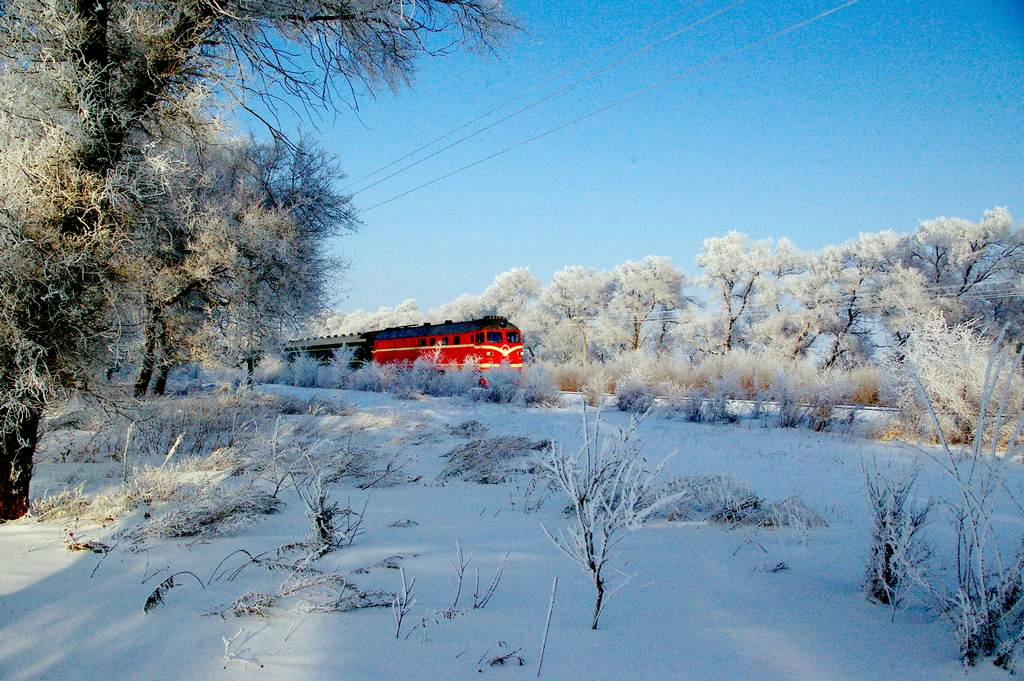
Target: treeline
(841,306)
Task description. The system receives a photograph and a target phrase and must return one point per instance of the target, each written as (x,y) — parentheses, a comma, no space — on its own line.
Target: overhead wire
(622,100)
(566,88)
(538,86)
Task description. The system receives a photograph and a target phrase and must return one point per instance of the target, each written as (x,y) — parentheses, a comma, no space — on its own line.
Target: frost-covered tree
(463,308)
(567,309)
(743,276)
(969,266)
(204,255)
(359,321)
(88,87)
(511,293)
(836,297)
(647,299)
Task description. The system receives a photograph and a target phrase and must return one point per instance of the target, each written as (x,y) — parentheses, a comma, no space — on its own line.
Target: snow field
(691,599)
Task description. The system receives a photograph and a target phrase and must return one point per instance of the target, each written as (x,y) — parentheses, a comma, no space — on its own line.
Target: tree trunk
(18,446)
(148,359)
(250,372)
(599,585)
(160,385)
(166,354)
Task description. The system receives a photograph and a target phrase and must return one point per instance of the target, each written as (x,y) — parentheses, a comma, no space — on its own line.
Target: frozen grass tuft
(214,513)
(898,553)
(724,500)
(489,461)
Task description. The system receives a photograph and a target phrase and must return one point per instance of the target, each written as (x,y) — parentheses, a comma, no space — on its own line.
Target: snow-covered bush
(203,422)
(414,381)
(595,387)
(504,386)
(274,369)
(568,376)
(986,602)
(685,402)
(488,461)
(373,377)
(700,494)
(507,386)
(634,392)
(304,370)
(610,493)
(330,526)
(950,363)
(743,372)
(427,377)
(898,553)
(215,512)
(704,404)
(336,372)
(538,387)
(866,386)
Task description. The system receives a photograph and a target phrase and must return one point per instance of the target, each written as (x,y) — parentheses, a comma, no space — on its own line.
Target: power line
(622,100)
(588,77)
(571,68)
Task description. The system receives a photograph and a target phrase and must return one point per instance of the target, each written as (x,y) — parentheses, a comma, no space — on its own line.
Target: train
(489,342)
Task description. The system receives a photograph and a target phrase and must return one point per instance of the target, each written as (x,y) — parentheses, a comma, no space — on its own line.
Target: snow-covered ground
(692,599)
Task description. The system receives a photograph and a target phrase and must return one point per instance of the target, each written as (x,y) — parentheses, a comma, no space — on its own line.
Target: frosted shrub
(304,369)
(789,409)
(949,363)
(427,377)
(714,400)
(745,373)
(569,377)
(897,554)
(455,382)
(686,403)
(273,369)
(866,386)
(214,512)
(204,423)
(634,392)
(488,461)
(504,386)
(373,377)
(538,387)
(335,374)
(610,494)
(595,387)
(822,396)
(986,605)
(508,386)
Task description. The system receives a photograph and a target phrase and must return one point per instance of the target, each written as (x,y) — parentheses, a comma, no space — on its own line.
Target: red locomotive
(489,342)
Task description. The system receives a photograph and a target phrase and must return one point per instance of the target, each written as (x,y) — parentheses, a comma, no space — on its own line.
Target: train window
(433,342)
(443,341)
(494,336)
(423,342)
(479,338)
(456,340)
(513,336)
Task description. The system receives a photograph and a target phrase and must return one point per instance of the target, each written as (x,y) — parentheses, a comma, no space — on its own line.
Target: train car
(490,342)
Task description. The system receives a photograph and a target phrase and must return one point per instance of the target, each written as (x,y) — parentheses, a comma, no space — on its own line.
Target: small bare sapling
(403,601)
(609,493)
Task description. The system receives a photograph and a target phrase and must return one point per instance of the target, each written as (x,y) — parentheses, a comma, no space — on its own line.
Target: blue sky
(881,115)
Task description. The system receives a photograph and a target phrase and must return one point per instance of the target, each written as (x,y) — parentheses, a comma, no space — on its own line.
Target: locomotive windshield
(494,336)
(513,336)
